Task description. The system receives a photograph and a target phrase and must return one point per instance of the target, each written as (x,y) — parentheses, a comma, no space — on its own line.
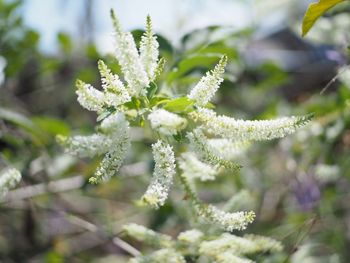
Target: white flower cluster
(163,174)
(237,246)
(9,178)
(115,93)
(149,50)
(199,145)
(86,146)
(243,130)
(165,255)
(225,220)
(89,97)
(138,70)
(113,142)
(194,168)
(264,243)
(226,248)
(167,123)
(147,235)
(209,84)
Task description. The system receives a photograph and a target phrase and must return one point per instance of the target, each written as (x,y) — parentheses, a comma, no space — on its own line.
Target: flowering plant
(176,122)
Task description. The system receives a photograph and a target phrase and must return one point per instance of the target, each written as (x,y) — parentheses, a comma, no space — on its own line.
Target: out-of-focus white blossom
(149,50)
(194,168)
(90,145)
(225,220)
(243,130)
(120,143)
(335,130)
(227,149)
(129,60)
(238,246)
(191,236)
(113,142)
(240,200)
(263,244)
(115,93)
(89,97)
(147,235)
(165,255)
(167,123)
(9,178)
(227,242)
(162,178)
(228,257)
(114,124)
(326,173)
(199,144)
(209,84)
(112,160)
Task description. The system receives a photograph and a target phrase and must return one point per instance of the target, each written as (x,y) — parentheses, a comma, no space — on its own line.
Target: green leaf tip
(115,22)
(315,11)
(148,24)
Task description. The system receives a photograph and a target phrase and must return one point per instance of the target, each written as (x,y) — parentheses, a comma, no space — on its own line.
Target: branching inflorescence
(213,140)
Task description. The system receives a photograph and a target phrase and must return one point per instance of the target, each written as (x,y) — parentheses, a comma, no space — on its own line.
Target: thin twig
(334,79)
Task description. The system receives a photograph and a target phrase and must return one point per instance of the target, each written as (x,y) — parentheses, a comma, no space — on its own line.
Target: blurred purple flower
(307,193)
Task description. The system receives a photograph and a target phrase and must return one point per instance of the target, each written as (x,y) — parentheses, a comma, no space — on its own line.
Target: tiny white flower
(115,93)
(89,97)
(199,144)
(118,129)
(167,123)
(243,130)
(164,170)
(129,60)
(90,145)
(194,168)
(225,220)
(149,50)
(209,84)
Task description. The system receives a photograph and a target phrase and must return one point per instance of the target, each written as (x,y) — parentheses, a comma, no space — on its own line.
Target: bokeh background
(298,186)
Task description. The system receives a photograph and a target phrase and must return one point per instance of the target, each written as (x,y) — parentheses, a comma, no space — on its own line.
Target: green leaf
(157,100)
(315,11)
(179,105)
(65,42)
(152,90)
(134,104)
(24,123)
(52,126)
(106,113)
(192,62)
